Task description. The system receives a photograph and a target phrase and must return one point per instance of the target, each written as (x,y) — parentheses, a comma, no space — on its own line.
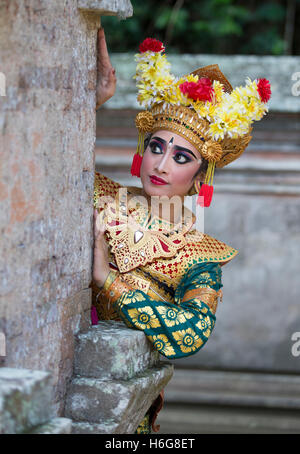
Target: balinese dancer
(152,268)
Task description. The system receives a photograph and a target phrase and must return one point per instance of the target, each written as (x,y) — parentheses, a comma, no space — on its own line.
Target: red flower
(198,91)
(264,89)
(151,44)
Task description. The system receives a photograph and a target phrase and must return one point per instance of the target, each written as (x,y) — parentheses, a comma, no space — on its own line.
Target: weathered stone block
(122,402)
(25,399)
(110,350)
(57,426)
(122,8)
(91,428)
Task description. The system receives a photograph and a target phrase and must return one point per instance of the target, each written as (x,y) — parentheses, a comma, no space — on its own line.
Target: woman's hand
(106,74)
(100,266)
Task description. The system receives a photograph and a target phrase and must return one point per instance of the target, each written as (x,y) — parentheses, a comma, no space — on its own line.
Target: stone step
(25,399)
(55,426)
(201,419)
(122,403)
(277,391)
(94,429)
(112,351)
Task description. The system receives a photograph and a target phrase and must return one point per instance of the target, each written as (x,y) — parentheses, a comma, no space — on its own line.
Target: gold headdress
(202,107)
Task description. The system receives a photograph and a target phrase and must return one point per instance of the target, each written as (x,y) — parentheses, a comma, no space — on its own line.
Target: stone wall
(47,124)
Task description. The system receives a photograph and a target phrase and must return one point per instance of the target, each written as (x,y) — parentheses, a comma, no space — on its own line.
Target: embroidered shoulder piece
(104,187)
(135,244)
(205,248)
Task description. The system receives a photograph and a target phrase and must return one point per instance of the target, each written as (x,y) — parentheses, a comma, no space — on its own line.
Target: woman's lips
(156,180)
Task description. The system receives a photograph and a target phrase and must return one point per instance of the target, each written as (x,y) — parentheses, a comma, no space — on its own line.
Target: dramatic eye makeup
(181,158)
(156,147)
(181,155)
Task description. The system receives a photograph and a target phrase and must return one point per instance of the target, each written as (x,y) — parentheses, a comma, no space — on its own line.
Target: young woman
(152,268)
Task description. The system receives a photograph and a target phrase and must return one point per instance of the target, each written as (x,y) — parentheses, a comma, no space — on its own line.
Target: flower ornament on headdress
(202,107)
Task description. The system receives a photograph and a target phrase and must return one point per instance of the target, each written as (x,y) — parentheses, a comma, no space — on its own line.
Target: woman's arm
(175,330)
(106,74)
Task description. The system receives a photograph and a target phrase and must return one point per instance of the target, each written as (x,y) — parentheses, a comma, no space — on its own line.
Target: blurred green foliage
(210,26)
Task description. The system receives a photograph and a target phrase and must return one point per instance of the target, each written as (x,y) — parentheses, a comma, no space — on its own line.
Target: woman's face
(169,165)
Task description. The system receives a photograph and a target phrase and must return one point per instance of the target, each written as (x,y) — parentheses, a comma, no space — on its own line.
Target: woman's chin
(153,190)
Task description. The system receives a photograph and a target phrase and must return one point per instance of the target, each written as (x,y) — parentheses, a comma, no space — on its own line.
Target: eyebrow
(177,147)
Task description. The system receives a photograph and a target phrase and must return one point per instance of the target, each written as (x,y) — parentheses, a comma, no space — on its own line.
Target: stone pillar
(47,125)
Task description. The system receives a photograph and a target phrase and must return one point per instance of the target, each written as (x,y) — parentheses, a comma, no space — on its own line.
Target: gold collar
(137,238)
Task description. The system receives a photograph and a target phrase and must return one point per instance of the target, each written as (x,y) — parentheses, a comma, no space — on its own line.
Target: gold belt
(206,294)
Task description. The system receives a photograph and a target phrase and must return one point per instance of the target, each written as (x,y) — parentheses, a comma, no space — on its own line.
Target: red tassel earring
(138,157)
(206,190)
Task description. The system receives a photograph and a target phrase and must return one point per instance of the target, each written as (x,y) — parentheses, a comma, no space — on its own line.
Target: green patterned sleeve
(180,329)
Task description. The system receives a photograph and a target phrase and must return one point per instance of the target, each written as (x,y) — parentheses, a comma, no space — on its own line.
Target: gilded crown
(201,107)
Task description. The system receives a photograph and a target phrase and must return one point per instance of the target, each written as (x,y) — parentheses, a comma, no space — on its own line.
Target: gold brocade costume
(166,282)
(159,275)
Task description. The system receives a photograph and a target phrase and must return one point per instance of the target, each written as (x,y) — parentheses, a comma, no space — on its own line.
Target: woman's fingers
(99,221)
(106,74)
(103,59)
(103,56)
(99,230)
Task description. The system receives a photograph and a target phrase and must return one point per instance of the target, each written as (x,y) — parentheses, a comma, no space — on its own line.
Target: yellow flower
(152,76)
(173,317)
(217,131)
(187,340)
(161,344)
(218,92)
(143,317)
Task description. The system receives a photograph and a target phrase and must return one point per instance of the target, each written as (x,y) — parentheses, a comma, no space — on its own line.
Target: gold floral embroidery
(162,344)
(173,317)
(143,317)
(187,340)
(205,325)
(200,305)
(135,297)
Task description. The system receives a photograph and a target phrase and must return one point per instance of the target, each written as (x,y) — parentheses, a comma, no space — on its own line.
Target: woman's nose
(162,164)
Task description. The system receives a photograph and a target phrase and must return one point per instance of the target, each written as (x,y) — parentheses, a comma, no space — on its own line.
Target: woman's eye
(181,158)
(155,148)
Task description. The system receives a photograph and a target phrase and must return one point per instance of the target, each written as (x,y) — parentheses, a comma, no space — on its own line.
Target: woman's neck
(166,209)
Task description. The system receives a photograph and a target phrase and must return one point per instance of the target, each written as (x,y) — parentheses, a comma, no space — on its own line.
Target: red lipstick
(156,180)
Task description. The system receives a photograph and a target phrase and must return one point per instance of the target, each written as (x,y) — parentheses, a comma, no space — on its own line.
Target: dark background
(210,26)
